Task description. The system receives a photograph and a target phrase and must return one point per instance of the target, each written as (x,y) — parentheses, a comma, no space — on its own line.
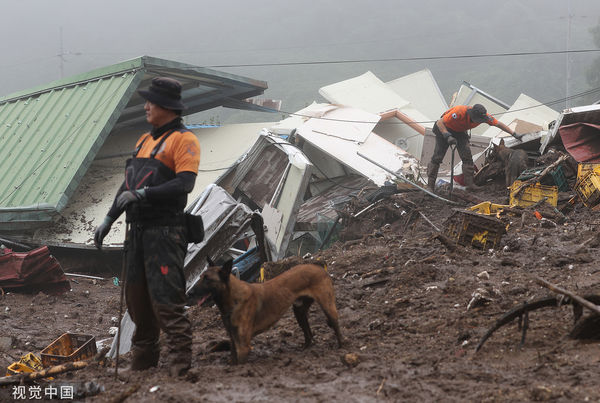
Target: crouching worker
(154,194)
(451,129)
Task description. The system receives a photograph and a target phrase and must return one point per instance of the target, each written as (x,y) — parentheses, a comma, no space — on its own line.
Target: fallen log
(58,369)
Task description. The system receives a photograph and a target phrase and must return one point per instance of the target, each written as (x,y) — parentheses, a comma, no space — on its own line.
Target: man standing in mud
(451,129)
(157,181)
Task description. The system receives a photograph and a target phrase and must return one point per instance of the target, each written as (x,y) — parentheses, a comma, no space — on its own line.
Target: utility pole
(62,53)
(568,67)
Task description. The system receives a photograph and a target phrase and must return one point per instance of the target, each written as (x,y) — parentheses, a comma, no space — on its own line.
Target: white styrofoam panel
(422,91)
(366,92)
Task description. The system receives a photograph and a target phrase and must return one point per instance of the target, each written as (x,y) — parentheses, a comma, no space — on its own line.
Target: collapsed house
(65,145)
(295,173)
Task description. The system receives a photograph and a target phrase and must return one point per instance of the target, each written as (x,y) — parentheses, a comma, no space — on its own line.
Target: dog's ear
(226,271)
(210,262)
(501,142)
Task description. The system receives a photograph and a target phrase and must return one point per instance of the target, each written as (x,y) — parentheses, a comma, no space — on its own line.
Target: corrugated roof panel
(50,134)
(50,138)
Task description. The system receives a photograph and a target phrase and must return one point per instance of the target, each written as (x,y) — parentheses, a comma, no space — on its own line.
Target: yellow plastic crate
(532,194)
(28,363)
(588,189)
(469,228)
(68,348)
(584,168)
(17,368)
(488,208)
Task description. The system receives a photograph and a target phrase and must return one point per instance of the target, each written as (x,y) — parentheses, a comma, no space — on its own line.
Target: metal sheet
(273,173)
(49,141)
(224,221)
(582,141)
(471,95)
(587,114)
(324,204)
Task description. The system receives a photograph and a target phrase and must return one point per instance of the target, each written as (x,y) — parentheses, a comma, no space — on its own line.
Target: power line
(404,59)
(557,101)
(322,62)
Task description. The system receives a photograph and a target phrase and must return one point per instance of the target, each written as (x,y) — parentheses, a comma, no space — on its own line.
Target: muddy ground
(402,297)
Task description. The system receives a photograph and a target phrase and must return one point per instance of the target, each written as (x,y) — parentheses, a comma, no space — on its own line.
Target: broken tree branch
(545,172)
(519,311)
(574,297)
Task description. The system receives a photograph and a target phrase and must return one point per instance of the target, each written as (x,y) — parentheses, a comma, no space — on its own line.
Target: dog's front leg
(232,332)
(234,356)
(242,342)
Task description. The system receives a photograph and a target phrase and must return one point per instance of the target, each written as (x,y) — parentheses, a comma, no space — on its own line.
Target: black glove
(450,139)
(101,231)
(128,197)
(517,136)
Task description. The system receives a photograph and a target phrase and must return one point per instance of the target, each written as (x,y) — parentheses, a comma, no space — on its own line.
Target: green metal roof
(50,135)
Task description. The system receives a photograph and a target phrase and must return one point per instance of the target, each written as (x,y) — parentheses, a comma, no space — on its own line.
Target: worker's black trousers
(155,291)
(462,146)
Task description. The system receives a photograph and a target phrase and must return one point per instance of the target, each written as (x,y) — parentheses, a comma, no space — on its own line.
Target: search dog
(250,309)
(513,161)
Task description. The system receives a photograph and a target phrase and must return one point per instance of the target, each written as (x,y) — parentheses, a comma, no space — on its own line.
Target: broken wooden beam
(574,297)
(539,176)
(30,376)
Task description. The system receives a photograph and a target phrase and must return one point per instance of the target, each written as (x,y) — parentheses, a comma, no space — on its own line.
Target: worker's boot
(468,175)
(432,171)
(179,338)
(142,359)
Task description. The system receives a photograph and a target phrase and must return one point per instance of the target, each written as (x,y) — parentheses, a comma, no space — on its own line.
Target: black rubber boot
(178,330)
(468,174)
(144,359)
(432,171)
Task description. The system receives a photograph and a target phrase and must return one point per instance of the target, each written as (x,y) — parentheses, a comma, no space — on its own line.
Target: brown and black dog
(249,309)
(513,161)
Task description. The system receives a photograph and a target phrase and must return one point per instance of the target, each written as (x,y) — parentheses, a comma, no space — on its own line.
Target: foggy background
(45,40)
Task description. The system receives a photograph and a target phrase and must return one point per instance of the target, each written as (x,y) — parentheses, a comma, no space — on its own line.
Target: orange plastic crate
(68,348)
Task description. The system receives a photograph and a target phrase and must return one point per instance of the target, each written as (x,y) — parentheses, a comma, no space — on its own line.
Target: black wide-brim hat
(478,113)
(164,92)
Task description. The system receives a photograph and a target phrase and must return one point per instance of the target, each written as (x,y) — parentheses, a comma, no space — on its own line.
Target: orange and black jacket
(165,164)
(457,120)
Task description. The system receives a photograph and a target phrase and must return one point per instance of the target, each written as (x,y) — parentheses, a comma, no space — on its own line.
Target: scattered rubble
(418,277)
